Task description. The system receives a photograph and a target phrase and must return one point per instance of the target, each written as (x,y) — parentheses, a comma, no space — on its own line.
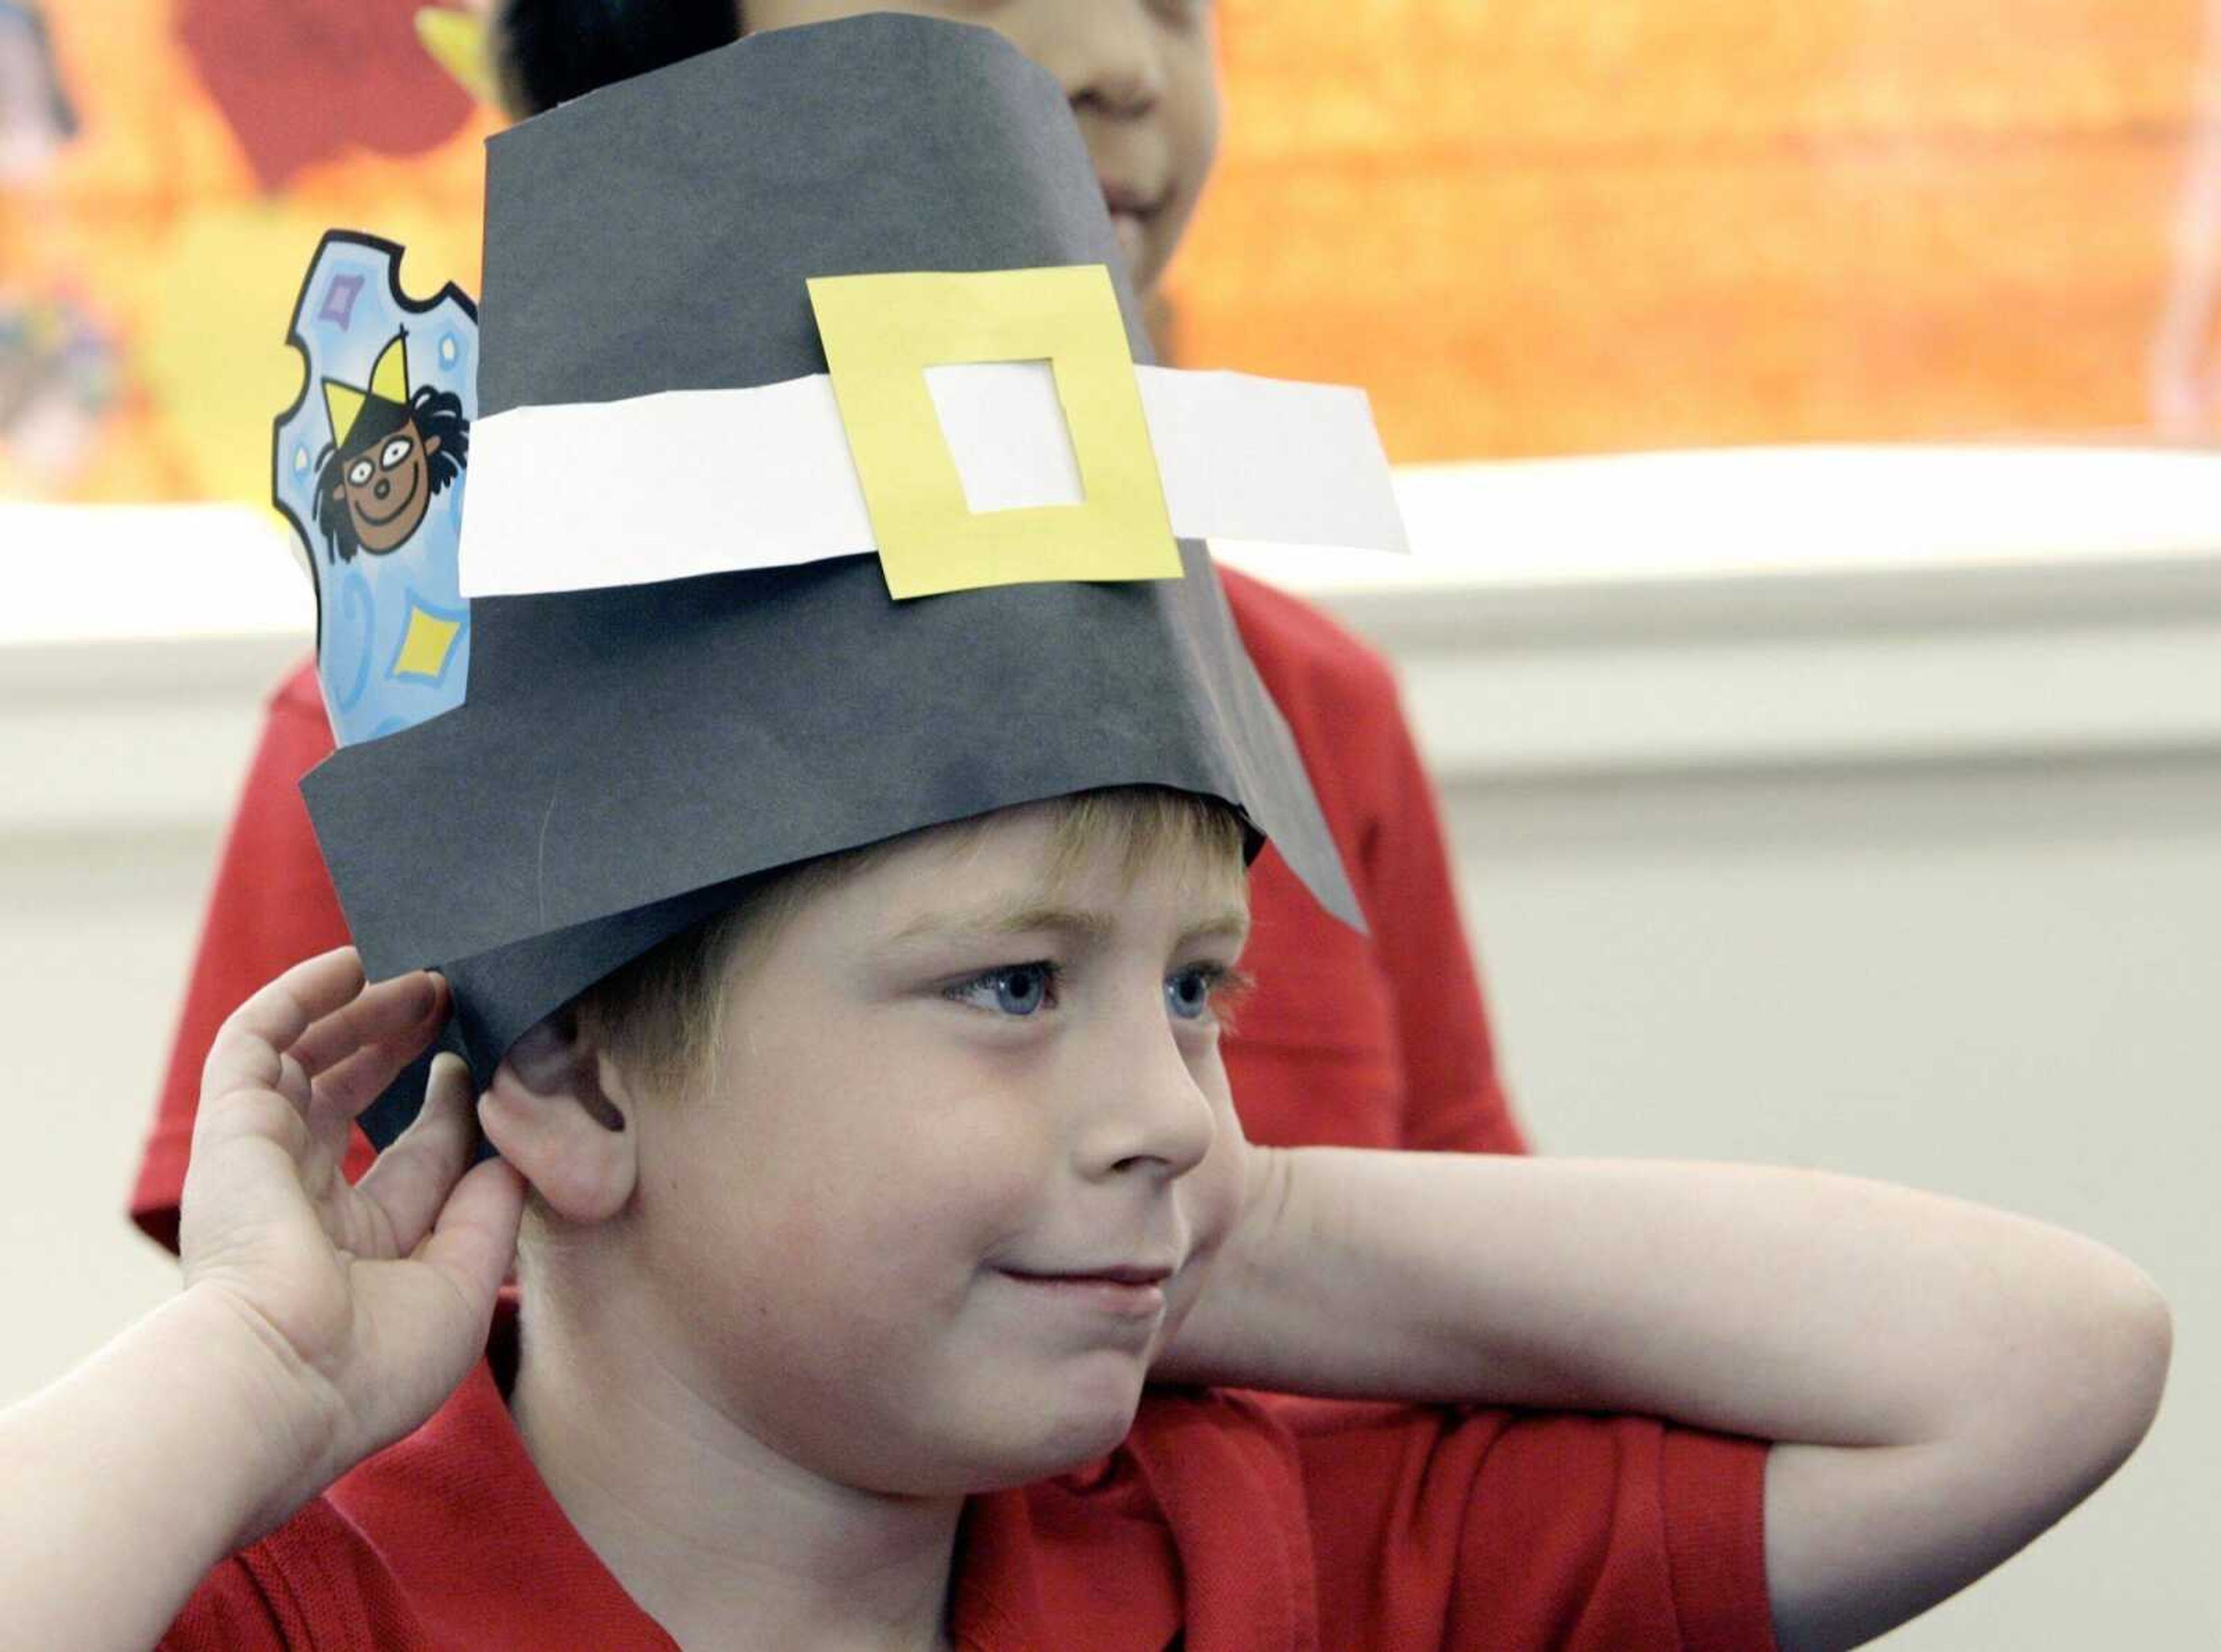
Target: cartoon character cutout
(370,469)
(391,450)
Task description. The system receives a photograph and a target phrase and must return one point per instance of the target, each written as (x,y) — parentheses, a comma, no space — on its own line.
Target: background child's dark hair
(546,52)
(438,415)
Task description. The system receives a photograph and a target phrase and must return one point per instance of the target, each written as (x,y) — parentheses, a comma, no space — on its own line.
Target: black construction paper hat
(626,756)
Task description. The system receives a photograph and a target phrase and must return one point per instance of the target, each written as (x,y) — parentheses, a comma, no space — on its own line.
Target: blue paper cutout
(339,300)
(371,590)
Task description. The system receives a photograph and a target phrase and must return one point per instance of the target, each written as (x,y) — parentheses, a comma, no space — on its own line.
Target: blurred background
(1529,227)
(1807,421)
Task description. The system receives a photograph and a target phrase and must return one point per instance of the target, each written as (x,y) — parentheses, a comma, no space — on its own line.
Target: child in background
(855,1215)
(1373,1040)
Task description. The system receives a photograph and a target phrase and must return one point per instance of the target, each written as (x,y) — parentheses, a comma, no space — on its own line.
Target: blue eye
(1187,994)
(1012,990)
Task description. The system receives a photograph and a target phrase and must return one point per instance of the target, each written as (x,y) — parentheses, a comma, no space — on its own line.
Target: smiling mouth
(1096,1294)
(380,521)
(1125,197)
(1132,213)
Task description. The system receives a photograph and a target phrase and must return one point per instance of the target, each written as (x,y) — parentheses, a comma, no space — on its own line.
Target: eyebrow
(1230,922)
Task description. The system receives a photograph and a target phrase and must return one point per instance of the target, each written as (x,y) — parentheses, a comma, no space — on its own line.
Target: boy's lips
(1132,212)
(1132,197)
(1136,1293)
(1114,1273)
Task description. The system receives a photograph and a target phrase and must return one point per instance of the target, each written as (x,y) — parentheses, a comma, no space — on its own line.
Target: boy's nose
(1141,1108)
(1106,55)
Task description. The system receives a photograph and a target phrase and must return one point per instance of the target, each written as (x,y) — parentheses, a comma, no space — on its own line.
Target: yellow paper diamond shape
(425,645)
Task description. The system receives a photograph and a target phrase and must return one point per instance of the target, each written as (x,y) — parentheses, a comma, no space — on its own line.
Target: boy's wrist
(277,1413)
(172,1446)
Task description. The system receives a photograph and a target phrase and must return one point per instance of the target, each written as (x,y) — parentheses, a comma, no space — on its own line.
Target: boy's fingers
(292,1083)
(384,1012)
(361,1078)
(250,1046)
(475,1239)
(413,1178)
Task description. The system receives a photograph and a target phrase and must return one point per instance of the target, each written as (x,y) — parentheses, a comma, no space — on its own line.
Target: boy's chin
(1020,1437)
(1071,1437)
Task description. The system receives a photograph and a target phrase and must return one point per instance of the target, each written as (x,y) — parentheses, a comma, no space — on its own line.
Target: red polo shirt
(1216,1527)
(1349,1040)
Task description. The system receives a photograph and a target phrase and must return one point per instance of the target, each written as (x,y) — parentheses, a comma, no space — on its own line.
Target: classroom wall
(1910,873)
(1990,971)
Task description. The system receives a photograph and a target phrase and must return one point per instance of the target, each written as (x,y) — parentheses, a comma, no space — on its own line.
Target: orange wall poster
(1527,227)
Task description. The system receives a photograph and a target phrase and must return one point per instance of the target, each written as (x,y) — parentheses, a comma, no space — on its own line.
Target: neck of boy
(723,1542)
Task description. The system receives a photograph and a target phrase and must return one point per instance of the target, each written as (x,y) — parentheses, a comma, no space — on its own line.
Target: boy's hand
(360,1308)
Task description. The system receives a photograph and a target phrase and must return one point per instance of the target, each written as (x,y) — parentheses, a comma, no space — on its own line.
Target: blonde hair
(659,1017)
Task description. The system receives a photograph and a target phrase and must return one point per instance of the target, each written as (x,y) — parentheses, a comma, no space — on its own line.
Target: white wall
(1910,875)
(1908,869)
(97,933)
(124,758)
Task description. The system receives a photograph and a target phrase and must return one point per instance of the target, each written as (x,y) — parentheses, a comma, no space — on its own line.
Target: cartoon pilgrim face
(391,450)
(368,465)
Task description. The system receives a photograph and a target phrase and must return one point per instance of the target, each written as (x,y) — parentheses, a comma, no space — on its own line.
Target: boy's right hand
(361,1307)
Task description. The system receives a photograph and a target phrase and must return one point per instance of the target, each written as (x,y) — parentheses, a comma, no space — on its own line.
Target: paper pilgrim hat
(627,753)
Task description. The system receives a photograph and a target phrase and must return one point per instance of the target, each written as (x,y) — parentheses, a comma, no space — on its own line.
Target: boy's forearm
(1782,1303)
(124,1482)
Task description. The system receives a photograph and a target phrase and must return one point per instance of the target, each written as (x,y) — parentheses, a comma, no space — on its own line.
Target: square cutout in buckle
(882,332)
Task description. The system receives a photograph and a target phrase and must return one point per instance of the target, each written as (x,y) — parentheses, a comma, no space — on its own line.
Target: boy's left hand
(362,1305)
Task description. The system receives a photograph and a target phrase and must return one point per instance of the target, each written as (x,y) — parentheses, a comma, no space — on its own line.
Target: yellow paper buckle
(882,332)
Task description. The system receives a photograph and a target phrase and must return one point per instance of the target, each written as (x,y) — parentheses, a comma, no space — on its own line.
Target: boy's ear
(558,1113)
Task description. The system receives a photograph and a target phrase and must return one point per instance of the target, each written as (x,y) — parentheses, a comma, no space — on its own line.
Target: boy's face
(949,1071)
(1142,76)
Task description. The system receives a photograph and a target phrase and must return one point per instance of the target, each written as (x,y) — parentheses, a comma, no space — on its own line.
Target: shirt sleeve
(272,905)
(1469,1529)
(229,1612)
(1380,1040)
(315,1582)
(1454,1098)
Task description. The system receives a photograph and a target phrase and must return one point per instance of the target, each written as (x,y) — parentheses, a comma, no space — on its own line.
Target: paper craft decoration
(369,465)
(623,493)
(629,755)
(882,332)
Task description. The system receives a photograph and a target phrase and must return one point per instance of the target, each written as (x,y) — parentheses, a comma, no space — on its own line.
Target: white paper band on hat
(1271,459)
(690,482)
